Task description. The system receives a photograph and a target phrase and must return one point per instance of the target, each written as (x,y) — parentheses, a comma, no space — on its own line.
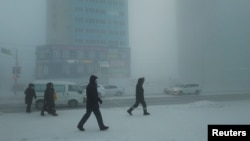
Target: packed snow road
(15,105)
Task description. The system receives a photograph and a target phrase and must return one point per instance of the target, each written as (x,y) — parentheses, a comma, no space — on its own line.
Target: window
(80,69)
(56,53)
(45,70)
(121,3)
(42,54)
(92,54)
(59,88)
(113,43)
(74,88)
(80,54)
(193,85)
(110,87)
(66,54)
(101,55)
(124,56)
(122,33)
(66,69)
(40,88)
(90,68)
(122,43)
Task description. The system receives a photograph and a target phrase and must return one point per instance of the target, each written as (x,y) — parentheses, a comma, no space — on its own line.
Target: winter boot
(42,113)
(80,128)
(54,113)
(104,128)
(145,112)
(130,111)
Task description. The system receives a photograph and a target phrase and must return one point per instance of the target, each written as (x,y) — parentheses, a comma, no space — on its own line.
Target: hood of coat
(140,81)
(31,85)
(92,79)
(49,85)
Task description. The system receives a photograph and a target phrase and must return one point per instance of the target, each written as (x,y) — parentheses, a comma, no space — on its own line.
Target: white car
(181,89)
(100,89)
(114,90)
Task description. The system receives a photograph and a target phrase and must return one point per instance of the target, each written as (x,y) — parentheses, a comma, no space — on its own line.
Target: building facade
(85,37)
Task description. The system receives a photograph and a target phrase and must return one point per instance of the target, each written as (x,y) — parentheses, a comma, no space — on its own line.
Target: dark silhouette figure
(49,101)
(29,95)
(92,105)
(139,97)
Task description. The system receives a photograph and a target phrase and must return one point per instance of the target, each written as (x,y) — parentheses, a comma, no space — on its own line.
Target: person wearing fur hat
(139,97)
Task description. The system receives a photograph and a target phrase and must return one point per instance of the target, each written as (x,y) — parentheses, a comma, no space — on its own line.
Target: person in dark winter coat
(49,101)
(92,105)
(29,95)
(139,97)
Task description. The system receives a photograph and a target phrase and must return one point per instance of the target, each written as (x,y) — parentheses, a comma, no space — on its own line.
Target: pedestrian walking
(92,105)
(49,100)
(139,97)
(29,95)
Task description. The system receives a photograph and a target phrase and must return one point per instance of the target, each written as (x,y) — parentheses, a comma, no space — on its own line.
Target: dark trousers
(28,107)
(98,116)
(142,102)
(50,108)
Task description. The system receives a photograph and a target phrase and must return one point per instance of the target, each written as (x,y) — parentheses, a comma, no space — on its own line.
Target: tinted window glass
(73,88)
(40,88)
(59,88)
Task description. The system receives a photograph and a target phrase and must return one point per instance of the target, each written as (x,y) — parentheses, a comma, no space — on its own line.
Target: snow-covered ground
(184,122)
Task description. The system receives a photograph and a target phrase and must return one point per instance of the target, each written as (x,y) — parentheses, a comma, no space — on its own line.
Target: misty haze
(187,50)
(170,42)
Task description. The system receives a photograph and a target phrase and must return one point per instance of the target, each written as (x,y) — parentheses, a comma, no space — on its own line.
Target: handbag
(55,96)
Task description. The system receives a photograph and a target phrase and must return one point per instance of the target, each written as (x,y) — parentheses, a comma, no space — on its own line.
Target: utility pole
(15,71)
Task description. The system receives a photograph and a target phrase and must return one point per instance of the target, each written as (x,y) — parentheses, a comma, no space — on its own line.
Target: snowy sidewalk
(184,122)
(11,98)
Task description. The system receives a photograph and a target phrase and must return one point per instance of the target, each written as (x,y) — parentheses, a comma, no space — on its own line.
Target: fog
(153,38)
(151,28)
(22,28)
(171,41)
(213,44)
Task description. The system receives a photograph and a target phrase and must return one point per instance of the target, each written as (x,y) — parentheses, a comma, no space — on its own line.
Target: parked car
(68,93)
(114,90)
(100,89)
(181,89)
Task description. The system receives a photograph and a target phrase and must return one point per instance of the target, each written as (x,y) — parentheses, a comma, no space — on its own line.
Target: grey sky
(22,22)
(152,37)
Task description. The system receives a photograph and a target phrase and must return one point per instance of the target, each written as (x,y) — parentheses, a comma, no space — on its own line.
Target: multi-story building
(213,44)
(85,37)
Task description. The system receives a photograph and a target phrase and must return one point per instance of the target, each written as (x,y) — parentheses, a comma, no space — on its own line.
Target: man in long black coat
(29,95)
(92,105)
(139,97)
